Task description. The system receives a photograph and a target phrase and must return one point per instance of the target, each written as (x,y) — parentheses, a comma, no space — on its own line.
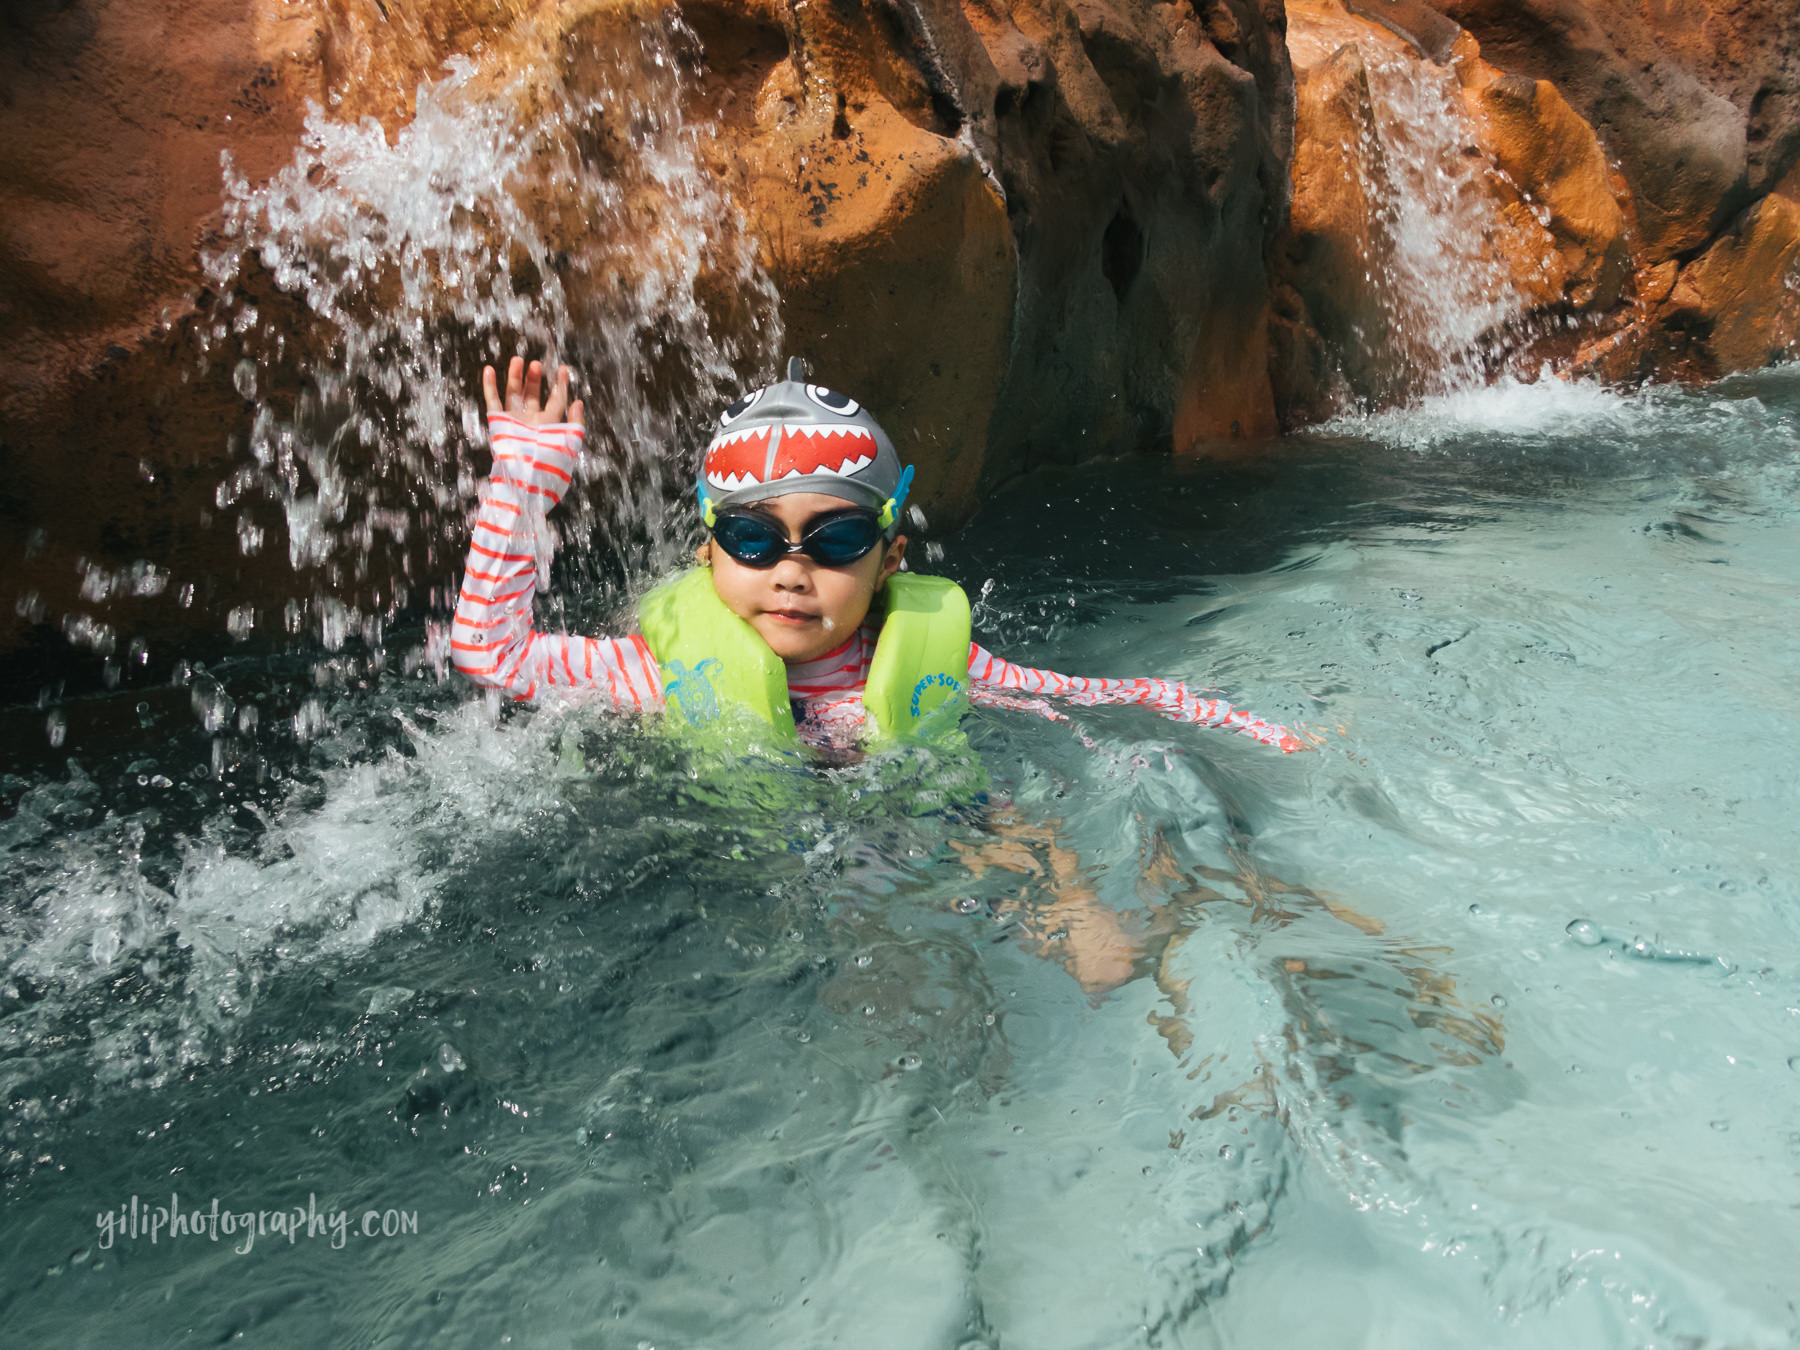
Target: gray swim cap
(800,437)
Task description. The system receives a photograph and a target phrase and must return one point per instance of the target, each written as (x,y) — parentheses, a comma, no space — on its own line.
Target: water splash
(1448,288)
(1446,278)
(568,214)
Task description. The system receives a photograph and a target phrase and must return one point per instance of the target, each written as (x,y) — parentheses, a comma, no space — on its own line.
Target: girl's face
(800,607)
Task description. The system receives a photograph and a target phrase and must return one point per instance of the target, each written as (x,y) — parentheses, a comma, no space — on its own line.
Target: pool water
(1479,1026)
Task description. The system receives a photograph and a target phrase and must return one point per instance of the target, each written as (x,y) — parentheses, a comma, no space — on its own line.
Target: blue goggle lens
(833,541)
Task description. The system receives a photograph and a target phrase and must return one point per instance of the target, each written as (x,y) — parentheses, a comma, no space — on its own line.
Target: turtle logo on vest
(692,690)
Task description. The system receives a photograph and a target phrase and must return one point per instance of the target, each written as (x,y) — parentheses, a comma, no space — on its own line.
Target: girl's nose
(790,574)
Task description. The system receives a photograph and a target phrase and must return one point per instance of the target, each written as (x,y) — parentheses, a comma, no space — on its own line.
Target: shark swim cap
(798,437)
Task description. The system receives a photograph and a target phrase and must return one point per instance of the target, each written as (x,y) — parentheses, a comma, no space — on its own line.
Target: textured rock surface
(1027,231)
(1697,100)
(1435,201)
(1623,164)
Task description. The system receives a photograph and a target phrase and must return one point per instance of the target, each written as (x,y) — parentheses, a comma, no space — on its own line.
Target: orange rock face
(1029,232)
(1436,201)
(1622,169)
(1025,231)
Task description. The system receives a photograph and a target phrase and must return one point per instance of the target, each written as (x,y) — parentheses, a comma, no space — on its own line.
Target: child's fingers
(534,388)
(575,415)
(515,384)
(490,390)
(556,406)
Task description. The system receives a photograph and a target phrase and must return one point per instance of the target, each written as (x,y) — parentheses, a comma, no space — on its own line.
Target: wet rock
(1553,158)
(1438,205)
(1737,306)
(1027,233)
(1616,148)
(1698,102)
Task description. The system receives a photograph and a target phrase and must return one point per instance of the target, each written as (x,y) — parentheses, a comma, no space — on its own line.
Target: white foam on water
(1510,407)
(338,866)
(1547,409)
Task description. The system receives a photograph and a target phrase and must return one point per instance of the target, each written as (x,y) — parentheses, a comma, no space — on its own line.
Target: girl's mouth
(793,616)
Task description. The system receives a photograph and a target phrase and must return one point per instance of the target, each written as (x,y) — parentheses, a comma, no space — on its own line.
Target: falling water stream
(1479,1026)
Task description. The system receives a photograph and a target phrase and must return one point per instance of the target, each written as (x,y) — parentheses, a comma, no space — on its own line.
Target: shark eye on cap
(832,401)
(738,409)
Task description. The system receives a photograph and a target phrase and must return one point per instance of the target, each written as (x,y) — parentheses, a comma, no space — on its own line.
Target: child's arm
(491,639)
(998,683)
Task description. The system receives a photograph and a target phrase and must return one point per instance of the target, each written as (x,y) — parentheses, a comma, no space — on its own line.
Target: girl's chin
(794,645)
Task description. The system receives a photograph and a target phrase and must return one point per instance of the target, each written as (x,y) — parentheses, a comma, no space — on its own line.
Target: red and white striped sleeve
(994,682)
(491,638)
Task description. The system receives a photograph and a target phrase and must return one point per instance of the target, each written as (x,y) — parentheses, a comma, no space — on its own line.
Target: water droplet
(1794,1063)
(1586,932)
(1227,1152)
(1720,1125)
(1498,1000)
(1476,910)
(967,905)
(988,1021)
(909,1062)
(865,960)
(56,726)
(803,1036)
(868,1010)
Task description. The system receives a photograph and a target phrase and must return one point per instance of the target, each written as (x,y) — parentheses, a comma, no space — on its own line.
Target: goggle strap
(890,509)
(707,514)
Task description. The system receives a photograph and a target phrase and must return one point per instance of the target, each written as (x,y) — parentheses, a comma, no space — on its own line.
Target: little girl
(798,615)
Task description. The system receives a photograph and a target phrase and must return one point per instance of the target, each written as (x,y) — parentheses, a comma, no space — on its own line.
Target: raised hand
(526,398)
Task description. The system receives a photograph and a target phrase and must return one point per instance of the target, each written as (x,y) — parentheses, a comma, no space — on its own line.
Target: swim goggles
(835,539)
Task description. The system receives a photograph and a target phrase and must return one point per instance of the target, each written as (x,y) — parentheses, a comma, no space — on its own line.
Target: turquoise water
(1473,1028)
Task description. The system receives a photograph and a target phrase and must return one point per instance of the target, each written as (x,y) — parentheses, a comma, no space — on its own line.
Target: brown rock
(1327,268)
(1024,231)
(1737,306)
(1699,102)
(1440,209)
(114,117)
(1544,147)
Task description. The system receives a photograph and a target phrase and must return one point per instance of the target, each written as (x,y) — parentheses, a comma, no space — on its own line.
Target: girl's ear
(703,554)
(891,560)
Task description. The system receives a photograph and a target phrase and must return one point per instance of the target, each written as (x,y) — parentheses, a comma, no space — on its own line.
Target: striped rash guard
(493,643)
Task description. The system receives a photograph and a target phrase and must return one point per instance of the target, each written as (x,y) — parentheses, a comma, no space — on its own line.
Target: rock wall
(1626,168)
(1027,231)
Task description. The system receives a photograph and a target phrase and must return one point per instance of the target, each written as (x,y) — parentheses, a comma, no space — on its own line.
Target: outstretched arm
(994,682)
(492,640)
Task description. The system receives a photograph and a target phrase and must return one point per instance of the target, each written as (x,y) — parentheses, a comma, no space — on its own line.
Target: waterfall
(567,213)
(1422,270)
(1448,287)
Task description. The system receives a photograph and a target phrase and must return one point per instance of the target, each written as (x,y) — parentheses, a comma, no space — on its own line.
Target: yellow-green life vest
(715,665)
